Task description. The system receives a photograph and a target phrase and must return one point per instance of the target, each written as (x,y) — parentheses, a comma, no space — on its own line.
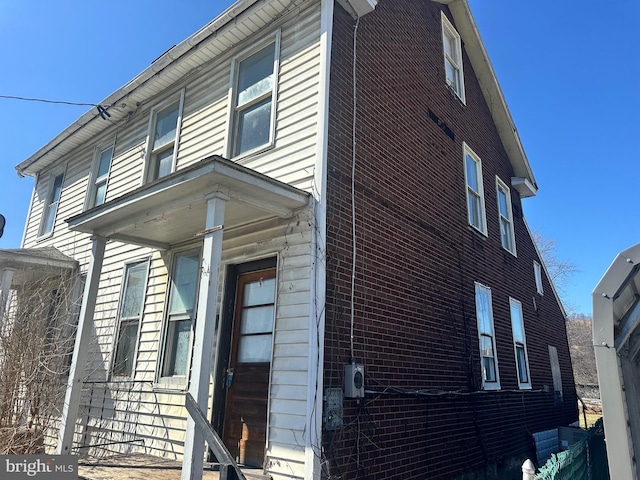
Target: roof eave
(491,90)
(163,64)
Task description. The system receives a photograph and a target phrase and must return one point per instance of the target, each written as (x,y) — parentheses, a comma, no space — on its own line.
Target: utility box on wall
(353,380)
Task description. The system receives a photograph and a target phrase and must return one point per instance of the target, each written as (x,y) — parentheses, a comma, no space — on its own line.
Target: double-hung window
(98,189)
(475,190)
(130,313)
(505,214)
(519,343)
(452,50)
(537,272)
(51,205)
(181,315)
(164,127)
(487,338)
(253,115)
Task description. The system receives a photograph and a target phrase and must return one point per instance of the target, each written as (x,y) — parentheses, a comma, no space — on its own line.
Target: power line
(12,97)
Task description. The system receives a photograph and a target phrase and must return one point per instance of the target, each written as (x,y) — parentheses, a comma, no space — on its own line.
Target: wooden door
(245,419)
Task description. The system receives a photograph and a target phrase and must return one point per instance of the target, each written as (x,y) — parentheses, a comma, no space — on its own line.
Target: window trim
(513,302)
(149,153)
(468,152)
(46,208)
(119,320)
(500,185)
(449,30)
(92,186)
(537,274)
(175,382)
(232,116)
(487,385)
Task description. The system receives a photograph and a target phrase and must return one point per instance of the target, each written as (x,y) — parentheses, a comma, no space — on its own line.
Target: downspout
(318,255)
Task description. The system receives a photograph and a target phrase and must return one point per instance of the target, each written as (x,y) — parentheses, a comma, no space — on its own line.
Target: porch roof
(32,263)
(172,210)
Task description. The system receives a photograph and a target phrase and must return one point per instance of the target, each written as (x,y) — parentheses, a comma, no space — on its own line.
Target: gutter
(163,63)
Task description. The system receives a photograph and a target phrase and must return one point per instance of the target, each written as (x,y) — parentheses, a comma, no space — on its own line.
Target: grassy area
(591,419)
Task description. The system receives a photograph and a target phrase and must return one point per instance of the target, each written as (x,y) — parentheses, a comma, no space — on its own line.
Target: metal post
(203,342)
(80,349)
(528,470)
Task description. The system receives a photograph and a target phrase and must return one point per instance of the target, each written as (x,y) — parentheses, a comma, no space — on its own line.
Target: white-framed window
(487,339)
(54,192)
(132,297)
(537,273)
(519,344)
(180,318)
(164,133)
(452,49)
(505,217)
(475,191)
(101,166)
(254,86)
(556,375)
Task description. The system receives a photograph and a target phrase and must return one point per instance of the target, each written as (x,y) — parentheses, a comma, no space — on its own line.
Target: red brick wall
(417,261)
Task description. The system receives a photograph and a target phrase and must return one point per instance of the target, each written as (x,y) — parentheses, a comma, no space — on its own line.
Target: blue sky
(569,72)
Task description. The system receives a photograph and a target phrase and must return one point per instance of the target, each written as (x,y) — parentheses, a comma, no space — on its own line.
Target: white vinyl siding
(452,50)
(519,344)
(475,191)
(254,80)
(505,217)
(487,339)
(155,415)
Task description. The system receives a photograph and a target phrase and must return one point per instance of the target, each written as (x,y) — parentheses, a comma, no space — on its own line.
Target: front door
(247,379)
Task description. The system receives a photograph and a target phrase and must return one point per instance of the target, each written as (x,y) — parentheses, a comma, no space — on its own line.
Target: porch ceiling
(172,209)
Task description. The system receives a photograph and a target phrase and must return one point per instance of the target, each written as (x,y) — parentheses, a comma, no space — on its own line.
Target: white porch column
(80,349)
(204,334)
(5,292)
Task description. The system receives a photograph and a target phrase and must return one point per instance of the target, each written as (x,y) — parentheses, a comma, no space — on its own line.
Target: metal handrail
(229,469)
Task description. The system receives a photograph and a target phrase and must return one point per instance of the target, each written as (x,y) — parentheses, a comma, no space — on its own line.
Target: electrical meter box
(353,380)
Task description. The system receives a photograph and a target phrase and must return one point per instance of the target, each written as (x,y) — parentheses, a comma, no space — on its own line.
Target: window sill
(253,153)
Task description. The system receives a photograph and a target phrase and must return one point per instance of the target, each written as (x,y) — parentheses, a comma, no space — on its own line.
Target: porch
(145,467)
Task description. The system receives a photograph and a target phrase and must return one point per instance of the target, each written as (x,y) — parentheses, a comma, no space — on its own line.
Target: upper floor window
(129,316)
(254,99)
(452,49)
(475,191)
(102,165)
(537,272)
(519,343)
(487,338)
(507,235)
(51,205)
(164,127)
